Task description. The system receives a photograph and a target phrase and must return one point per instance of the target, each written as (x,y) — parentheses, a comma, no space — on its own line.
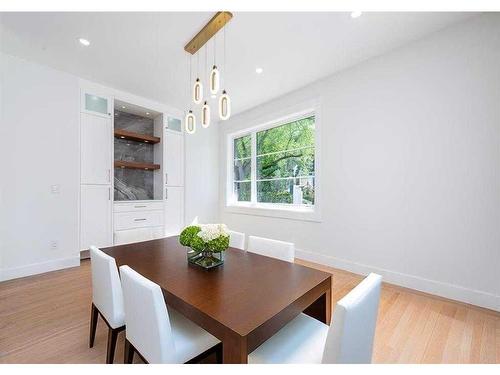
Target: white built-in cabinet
(174,158)
(96,162)
(174,210)
(100,217)
(95,215)
(174,179)
(96,149)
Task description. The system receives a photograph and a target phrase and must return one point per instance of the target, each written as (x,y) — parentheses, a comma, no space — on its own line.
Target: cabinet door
(96,104)
(174,124)
(96,143)
(95,215)
(174,210)
(174,159)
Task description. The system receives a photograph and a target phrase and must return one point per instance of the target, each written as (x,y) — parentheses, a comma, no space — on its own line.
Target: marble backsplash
(133,123)
(133,184)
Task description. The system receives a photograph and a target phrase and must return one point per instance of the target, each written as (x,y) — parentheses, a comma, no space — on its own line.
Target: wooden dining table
(243,302)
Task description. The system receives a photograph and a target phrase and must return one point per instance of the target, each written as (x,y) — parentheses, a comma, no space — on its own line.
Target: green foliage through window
(285,160)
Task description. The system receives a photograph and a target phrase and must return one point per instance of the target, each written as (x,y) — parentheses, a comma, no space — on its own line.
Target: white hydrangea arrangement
(203,237)
(211,232)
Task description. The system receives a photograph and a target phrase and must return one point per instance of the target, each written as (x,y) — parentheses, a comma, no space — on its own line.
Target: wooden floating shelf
(135,165)
(131,136)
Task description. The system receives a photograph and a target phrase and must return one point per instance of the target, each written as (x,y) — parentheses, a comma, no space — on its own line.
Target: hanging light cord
(225,69)
(197,65)
(225,66)
(215,49)
(190,78)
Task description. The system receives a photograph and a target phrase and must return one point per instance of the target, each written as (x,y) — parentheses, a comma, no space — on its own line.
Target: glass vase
(206,259)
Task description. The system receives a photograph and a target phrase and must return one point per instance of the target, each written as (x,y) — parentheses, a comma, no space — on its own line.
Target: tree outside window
(284,164)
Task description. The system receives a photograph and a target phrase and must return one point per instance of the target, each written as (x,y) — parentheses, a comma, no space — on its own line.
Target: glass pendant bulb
(190,122)
(224,106)
(197,91)
(205,115)
(214,80)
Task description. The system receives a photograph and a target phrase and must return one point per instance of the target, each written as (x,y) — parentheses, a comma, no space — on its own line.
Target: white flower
(210,232)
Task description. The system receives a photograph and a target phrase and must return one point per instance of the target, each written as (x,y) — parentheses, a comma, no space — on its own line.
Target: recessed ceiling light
(84,42)
(123,107)
(147,113)
(259,70)
(356,14)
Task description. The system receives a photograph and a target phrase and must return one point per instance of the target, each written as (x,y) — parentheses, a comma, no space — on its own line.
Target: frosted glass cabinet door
(174,124)
(95,215)
(95,104)
(96,141)
(174,159)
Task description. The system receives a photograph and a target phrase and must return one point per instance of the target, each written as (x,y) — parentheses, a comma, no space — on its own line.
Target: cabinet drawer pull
(139,206)
(140,219)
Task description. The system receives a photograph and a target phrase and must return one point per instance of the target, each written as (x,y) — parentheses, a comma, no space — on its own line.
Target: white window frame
(286,211)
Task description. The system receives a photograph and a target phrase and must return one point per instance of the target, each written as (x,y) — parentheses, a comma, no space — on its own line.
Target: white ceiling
(143,52)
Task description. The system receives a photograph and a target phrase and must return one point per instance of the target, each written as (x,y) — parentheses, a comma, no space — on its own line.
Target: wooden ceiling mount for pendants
(209,30)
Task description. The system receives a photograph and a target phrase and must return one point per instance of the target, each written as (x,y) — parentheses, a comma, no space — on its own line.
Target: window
(274,166)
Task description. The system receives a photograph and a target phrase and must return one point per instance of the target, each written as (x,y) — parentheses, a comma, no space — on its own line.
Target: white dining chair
(349,339)
(158,334)
(122,237)
(271,248)
(237,240)
(107,299)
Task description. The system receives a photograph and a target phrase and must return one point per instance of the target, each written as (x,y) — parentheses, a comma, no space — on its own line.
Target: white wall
(39,149)
(39,131)
(410,166)
(202,172)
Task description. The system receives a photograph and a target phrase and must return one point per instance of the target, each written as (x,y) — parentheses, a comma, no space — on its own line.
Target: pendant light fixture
(214,74)
(214,80)
(205,109)
(190,119)
(224,100)
(197,91)
(198,87)
(218,21)
(205,115)
(224,106)
(190,122)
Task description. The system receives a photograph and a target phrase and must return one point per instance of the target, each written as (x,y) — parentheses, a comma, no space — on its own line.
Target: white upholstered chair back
(147,319)
(107,293)
(271,248)
(237,239)
(350,336)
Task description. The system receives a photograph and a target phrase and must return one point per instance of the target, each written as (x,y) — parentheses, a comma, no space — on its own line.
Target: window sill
(283,212)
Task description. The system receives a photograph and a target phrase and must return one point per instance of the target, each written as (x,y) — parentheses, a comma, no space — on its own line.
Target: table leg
(321,309)
(234,349)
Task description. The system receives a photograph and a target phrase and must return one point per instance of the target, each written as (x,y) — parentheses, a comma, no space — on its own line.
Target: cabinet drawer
(129,220)
(138,206)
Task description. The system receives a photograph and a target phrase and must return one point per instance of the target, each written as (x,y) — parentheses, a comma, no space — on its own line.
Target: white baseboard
(451,291)
(36,268)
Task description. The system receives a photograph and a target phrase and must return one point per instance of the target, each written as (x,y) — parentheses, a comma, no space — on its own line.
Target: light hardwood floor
(45,319)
